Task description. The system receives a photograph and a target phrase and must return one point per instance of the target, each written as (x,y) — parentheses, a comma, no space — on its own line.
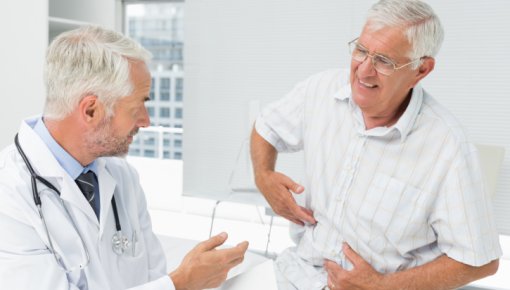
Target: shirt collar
(404,124)
(68,163)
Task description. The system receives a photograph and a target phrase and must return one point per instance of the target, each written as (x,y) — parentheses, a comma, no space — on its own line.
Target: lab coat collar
(66,160)
(45,164)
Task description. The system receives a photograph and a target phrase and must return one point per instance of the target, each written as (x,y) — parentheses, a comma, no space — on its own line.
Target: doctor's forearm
(442,273)
(263,154)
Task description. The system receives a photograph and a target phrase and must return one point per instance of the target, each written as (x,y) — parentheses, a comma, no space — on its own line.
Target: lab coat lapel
(107,186)
(72,194)
(45,164)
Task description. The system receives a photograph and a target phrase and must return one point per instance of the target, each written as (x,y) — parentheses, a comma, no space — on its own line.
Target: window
(164,88)
(178,90)
(177,143)
(164,112)
(164,84)
(149,141)
(159,28)
(178,113)
(151,94)
(150,110)
(164,96)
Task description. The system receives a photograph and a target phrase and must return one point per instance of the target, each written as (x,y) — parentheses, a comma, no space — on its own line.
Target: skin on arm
(207,267)
(277,188)
(442,273)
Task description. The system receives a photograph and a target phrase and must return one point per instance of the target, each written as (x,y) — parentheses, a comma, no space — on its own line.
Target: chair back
(491,159)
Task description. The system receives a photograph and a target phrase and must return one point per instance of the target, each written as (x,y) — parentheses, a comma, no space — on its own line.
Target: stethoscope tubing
(117,247)
(35,193)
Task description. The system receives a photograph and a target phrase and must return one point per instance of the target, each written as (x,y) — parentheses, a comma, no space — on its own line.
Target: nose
(366,67)
(144,120)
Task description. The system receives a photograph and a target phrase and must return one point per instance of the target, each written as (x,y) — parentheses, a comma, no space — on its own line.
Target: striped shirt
(400,196)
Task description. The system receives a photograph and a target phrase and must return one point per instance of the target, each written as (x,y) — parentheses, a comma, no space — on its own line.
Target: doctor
(73,214)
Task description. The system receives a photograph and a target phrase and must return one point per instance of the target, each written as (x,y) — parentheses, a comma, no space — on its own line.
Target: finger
(243,246)
(285,208)
(236,262)
(334,270)
(309,211)
(332,267)
(351,255)
(231,254)
(213,242)
(298,188)
(302,214)
(291,185)
(330,282)
(307,215)
(294,220)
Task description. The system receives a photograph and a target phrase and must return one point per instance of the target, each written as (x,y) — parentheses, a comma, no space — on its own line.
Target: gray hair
(89,60)
(420,23)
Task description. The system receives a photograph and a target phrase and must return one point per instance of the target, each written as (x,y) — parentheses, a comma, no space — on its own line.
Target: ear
(425,68)
(91,110)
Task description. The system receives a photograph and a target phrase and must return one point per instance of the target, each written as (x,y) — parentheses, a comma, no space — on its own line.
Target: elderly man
(394,194)
(74,214)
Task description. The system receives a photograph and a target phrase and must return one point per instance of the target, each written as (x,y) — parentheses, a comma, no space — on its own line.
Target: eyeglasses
(380,63)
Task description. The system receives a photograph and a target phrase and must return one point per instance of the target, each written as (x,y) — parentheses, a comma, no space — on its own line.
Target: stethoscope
(120,243)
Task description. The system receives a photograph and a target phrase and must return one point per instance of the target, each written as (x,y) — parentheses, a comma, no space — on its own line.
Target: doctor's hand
(362,276)
(207,267)
(277,188)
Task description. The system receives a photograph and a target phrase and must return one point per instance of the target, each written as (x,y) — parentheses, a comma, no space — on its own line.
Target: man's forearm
(442,273)
(263,154)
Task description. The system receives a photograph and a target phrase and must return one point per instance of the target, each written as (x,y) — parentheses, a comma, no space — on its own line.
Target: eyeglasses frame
(372,55)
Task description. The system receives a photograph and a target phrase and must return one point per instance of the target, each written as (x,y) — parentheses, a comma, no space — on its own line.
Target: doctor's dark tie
(86,182)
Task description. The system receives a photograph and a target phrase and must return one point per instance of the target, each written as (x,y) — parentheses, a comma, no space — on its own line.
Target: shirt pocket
(393,212)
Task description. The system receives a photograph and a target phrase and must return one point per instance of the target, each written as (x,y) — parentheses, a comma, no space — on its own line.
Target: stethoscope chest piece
(120,243)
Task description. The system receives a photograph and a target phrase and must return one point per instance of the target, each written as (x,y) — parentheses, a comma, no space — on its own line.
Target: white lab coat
(26,262)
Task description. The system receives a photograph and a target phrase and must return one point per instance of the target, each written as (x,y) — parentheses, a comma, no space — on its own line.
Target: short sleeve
(463,217)
(281,122)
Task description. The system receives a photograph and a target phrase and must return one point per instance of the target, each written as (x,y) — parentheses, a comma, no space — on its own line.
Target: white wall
(24,34)
(24,29)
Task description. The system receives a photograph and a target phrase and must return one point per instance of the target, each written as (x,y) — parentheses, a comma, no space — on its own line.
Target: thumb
(298,188)
(213,242)
(292,186)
